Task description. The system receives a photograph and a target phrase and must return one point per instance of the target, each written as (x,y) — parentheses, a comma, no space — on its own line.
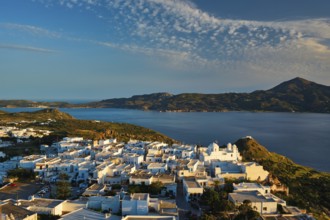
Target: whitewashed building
(141,177)
(135,204)
(109,203)
(157,168)
(254,171)
(260,203)
(29,162)
(191,188)
(214,152)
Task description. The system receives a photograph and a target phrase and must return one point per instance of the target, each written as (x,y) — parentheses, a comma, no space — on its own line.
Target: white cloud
(178,30)
(34,30)
(26,48)
(315,45)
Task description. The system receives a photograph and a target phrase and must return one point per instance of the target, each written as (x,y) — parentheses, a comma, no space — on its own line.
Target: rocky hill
(296,95)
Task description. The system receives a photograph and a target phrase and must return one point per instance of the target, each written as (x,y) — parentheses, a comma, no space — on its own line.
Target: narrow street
(183,206)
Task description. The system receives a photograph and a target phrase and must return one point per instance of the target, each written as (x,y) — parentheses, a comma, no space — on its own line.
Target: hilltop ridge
(296,95)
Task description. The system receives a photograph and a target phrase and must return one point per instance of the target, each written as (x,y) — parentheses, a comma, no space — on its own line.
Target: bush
(22,174)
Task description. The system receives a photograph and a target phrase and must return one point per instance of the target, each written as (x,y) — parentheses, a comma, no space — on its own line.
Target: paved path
(20,191)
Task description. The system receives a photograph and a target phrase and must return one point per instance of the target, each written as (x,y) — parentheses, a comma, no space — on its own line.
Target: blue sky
(90,49)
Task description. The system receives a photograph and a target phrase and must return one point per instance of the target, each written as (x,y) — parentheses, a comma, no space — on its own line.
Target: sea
(302,137)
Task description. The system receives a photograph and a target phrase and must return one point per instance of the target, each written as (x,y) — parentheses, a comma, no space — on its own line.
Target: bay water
(302,137)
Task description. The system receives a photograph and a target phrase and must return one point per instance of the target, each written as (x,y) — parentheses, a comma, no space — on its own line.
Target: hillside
(63,124)
(33,104)
(309,189)
(41,115)
(297,95)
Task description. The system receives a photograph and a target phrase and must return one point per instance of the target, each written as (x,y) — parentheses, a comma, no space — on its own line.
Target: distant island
(296,95)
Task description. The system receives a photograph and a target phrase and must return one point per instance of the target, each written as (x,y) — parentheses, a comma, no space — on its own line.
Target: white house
(260,203)
(227,169)
(187,154)
(43,206)
(135,204)
(154,158)
(191,188)
(245,187)
(95,190)
(141,177)
(263,190)
(109,203)
(254,171)
(73,139)
(157,168)
(189,168)
(29,162)
(115,174)
(132,158)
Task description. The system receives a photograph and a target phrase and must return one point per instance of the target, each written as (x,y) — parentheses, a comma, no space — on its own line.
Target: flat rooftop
(162,176)
(191,183)
(253,196)
(33,157)
(156,165)
(49,203)
(141,175)
(96,186)
(140,196)
(247,186)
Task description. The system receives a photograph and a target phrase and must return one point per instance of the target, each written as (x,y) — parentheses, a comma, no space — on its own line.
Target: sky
(99,49)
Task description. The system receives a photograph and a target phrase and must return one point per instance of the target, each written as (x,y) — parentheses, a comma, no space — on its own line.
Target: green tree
(22,174)
(156,187)
(246,212)
(208,217)
(216,185)
(212,199)
(63,189)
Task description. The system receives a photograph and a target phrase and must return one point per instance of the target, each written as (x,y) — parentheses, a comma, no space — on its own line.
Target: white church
(214,152)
